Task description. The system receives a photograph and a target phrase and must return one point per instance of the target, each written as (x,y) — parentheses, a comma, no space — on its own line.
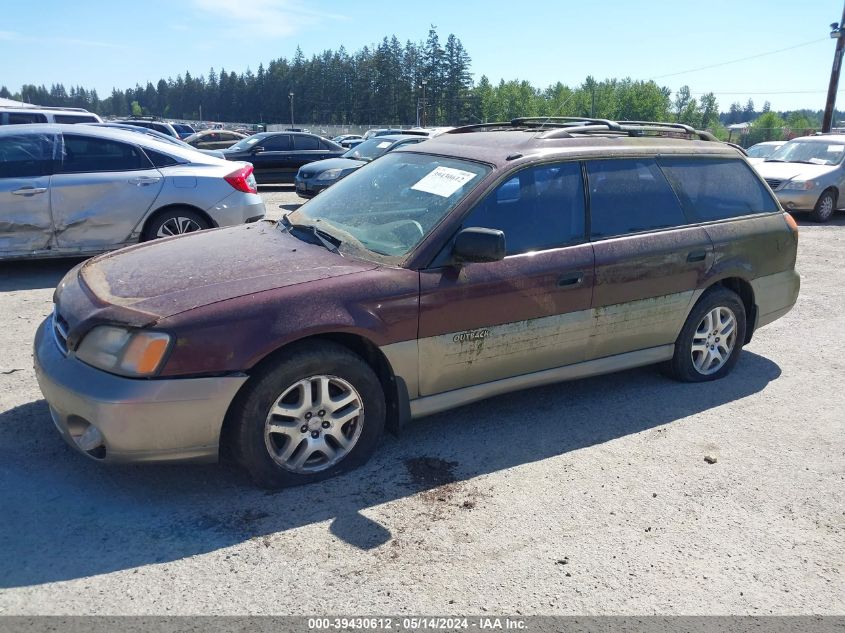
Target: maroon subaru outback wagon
(489,259)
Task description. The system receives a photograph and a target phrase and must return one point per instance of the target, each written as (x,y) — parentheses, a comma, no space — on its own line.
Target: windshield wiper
(329,241)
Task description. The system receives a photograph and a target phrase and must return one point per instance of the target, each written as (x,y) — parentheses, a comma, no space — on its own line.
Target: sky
(99,44)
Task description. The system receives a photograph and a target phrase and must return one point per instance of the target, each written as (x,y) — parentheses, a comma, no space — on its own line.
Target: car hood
(790,171)
(333,163)
(165,277)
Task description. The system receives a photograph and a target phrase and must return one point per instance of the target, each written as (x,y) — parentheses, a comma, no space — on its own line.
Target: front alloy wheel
(311,411)
(314,424)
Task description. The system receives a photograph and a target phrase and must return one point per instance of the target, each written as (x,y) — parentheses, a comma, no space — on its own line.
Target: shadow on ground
(66,517)
(31,274)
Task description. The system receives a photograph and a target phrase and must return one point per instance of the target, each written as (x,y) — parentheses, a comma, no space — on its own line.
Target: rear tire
(711,340)
(316,413)
(825,207)
(175,221)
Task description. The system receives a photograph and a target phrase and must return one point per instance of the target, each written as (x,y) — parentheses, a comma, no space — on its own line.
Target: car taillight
(243,179)
(791,223)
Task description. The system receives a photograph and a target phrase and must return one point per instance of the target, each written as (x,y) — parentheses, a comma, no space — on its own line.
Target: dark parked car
(214,139)
(489,259)
(277,156)
(183,130)
(151,123)
(312,178)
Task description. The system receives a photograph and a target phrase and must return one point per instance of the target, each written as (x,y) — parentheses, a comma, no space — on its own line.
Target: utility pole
(291,108)
(423,103)
(837,30)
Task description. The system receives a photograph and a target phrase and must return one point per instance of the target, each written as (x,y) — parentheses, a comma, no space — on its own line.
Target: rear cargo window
(717,188)
(630,196)
(74,118)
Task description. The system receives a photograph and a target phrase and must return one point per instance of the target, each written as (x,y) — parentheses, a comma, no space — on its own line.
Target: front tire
(711,340)
(825,207)
(316,413)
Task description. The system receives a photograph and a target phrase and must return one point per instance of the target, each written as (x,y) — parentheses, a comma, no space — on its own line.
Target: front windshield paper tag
(444,181)
(383,145)
(835,148)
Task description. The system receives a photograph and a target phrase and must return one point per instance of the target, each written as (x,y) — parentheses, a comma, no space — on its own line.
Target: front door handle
(29,191)
(571,280)
(697,256)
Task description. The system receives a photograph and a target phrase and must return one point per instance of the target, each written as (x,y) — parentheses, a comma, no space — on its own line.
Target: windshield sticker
(383,145)
(835,148)
(817,161)
(443,181)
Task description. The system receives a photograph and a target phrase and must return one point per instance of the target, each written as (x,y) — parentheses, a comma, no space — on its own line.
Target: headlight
(330,174)
(802,185)
(134,353)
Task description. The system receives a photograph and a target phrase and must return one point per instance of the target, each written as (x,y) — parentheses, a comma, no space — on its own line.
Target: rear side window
(630,196)
(25,155)
(540,208)
(717,188)
(160,160)
(306,142)
(74,118)
(21,118)
(89,154)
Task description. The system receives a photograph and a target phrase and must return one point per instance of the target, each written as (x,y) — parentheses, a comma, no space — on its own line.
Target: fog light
(90,440)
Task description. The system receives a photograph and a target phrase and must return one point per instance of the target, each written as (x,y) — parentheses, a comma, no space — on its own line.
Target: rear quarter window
(717,188)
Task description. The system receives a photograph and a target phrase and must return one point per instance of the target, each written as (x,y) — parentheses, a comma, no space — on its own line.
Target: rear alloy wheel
(711,340)
(824,208)
(315,413)
(174,222)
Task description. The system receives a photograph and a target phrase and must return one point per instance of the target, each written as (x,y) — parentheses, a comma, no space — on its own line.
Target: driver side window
(539,208)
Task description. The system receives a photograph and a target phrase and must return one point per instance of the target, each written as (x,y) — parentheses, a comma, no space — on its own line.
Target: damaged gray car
(69,191)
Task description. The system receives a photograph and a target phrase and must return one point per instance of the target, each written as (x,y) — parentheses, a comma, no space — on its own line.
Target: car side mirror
(257,149)
(475,244)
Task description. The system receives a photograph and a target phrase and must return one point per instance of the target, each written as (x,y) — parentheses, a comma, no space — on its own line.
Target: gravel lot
(591,497)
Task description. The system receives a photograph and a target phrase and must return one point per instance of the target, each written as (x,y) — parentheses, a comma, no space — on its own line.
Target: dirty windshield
(386,208)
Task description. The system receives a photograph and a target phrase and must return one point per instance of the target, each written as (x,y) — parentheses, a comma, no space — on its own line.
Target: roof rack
(568,127)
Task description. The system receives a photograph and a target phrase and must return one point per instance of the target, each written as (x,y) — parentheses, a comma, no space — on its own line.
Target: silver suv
(79,190)
(808,174)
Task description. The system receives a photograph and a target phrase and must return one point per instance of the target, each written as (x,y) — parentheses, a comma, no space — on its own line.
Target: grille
(60,328)
(774,183)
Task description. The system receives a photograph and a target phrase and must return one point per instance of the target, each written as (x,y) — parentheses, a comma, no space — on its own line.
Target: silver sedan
(67,190)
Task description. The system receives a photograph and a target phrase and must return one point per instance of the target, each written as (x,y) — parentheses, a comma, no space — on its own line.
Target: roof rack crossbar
(562,120)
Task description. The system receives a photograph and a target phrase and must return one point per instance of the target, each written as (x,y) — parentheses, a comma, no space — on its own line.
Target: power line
(741,59)
(767,92)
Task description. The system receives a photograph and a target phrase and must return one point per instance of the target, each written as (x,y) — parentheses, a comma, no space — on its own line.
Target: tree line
(397,84)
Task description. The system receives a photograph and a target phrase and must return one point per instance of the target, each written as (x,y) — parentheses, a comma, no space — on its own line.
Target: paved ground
(591,497)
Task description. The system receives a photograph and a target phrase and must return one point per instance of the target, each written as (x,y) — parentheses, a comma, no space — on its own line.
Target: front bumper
(134,420)
(308,188)
(795,200)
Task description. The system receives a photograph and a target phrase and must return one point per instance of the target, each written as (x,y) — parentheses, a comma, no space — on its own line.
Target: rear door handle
(143,181)
(570,280)
(29,191)
(697,256)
